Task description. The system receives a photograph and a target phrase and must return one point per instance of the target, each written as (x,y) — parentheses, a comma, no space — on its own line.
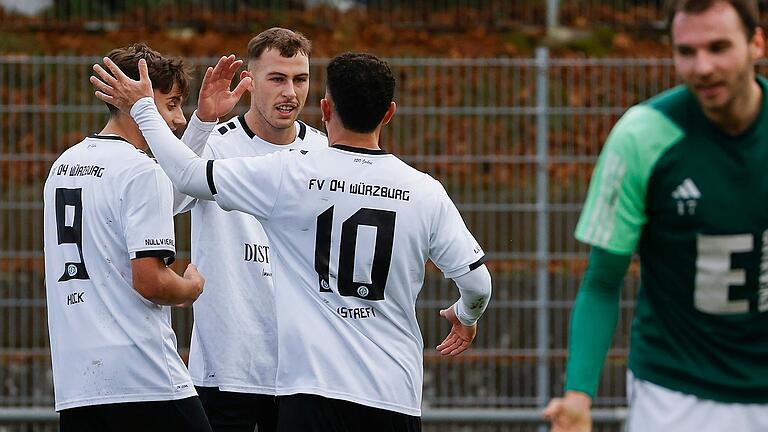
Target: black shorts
(183,415)
(238,412)
(312,413)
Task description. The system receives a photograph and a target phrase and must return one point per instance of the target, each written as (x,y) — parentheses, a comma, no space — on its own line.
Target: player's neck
(267,132)
(126,129)
(354,139)
(743,111)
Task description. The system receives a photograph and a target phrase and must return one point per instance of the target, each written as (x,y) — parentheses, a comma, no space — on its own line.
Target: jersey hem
(236,388)
(287,391)
(678,385)
(104,400)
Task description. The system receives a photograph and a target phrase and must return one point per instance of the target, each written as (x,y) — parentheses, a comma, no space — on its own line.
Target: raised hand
(216,100)
(460,336)
(570,413)
(118,89)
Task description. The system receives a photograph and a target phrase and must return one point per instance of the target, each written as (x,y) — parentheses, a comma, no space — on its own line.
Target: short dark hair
(287,42)
(362,88)
(748,11)
(163,71)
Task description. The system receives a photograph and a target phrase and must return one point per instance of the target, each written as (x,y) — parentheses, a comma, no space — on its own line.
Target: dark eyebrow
(709,44)
(304,74)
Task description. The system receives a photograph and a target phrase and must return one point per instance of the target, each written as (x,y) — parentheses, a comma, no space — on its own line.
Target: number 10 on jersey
(373,289)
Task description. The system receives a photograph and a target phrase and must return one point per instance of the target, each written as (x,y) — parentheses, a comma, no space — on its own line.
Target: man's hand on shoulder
(116,88)
(215,99)
(570,413)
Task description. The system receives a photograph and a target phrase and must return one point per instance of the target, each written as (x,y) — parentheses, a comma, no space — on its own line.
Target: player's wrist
(578,399)
(465,319)
(206,116)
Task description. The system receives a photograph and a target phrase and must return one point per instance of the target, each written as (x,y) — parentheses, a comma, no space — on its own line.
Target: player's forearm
(475,290)
(593,320)
(197,133)
(185,169)
(159,284)
(195,137)
(173,289)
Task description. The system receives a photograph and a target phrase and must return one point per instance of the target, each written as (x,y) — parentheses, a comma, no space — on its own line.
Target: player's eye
(720,46)
(277,79)
(685,51)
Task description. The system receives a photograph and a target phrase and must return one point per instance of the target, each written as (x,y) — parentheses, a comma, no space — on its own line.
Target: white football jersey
(350,232)
(107,202)
(234,337)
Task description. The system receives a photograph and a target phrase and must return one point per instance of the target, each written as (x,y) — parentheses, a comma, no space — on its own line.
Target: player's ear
(390,113)
(244,74)
(325,110)
(757,44)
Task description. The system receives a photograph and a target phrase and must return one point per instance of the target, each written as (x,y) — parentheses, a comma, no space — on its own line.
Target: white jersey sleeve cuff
(475,289)
(197,132)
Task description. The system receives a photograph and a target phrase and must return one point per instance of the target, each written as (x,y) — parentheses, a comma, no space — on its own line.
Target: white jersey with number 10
(350,232)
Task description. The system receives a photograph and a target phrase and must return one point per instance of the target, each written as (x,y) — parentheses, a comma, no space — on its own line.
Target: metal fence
(240,15)
(514,142)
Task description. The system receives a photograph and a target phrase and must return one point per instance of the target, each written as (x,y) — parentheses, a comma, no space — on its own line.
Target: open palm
(216,99)
(460,336)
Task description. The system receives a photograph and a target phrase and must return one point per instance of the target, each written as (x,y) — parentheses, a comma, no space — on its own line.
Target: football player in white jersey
(108,240)
(233,355)
(351,228)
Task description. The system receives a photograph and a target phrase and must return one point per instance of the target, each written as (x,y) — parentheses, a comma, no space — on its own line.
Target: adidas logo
(686,190)
(687,195)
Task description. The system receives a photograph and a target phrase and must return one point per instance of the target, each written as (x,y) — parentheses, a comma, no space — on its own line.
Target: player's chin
(283,122)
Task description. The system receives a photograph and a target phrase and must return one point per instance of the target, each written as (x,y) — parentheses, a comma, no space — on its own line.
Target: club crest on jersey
(687,196)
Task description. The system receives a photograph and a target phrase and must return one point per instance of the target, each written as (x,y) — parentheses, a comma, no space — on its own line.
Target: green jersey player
(682,181)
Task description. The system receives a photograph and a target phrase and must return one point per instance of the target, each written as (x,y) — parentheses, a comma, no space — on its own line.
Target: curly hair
(163,71)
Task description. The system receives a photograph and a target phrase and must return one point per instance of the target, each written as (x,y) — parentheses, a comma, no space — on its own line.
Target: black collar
(247,130)
(251,135)
(109,137)
(302,129)
(359,149)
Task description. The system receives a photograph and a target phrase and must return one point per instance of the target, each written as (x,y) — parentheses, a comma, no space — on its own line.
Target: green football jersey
(693,202)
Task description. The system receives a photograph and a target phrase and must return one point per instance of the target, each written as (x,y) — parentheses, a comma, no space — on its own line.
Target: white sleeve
(195,137)
(452,247)
(147,215)
(196,134)
(249,184)
(189,173)
(475,291)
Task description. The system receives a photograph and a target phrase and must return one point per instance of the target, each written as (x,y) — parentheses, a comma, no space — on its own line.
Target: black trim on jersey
(231,125)
(302,129)
(222,130)
(359,149)
(168,256)
(247,130)
(209,175)
(109,137)
(477,263)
